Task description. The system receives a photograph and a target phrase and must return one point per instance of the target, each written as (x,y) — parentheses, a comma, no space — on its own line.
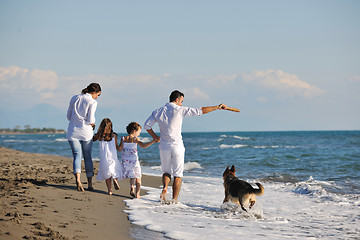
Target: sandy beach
(39,200)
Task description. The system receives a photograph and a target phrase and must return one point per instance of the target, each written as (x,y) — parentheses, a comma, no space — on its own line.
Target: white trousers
(172,161)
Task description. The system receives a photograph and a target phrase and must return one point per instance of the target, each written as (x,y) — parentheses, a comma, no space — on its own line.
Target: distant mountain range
(42,115)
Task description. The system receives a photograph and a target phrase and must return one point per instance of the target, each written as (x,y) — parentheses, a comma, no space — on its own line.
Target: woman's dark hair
(132,126)
(174,95)
(105,130)
(93,87)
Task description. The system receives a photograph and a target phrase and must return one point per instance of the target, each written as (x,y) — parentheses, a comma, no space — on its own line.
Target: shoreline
(39,199)
(31,133)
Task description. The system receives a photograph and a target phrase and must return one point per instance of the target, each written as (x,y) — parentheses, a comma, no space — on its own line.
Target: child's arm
(146,145)
(115,136)
(96,137)
(120,146)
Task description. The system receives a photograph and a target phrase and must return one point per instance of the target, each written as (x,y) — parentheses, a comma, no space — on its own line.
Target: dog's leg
(226,199)
(243,198)
(242,207)
(252,200)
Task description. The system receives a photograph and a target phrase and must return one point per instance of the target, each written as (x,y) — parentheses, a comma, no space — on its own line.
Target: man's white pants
(172,161)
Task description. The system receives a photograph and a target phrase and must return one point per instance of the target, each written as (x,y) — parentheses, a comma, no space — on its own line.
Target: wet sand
(39,200)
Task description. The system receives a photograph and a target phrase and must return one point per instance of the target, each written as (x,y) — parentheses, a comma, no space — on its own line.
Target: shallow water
(311,180)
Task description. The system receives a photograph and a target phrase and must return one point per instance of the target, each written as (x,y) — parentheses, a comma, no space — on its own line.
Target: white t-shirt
(169,119)
(81,113)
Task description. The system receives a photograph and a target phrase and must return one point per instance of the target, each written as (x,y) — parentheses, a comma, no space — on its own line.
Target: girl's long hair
(105,130)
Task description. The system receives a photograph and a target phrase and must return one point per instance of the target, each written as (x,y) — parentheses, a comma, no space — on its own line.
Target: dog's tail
(260,190)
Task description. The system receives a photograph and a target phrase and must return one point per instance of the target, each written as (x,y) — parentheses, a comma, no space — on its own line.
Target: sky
(287,65)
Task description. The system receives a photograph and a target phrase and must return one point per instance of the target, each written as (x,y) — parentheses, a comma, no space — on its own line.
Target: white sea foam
(316,189)
(241,138)
(156,168)
(278,214)
(291,147)
(233,136)
(22,141)
(187,167)
(233,146)
(266,146)
(145,139)
(61,140)
(191,165)
(209,148)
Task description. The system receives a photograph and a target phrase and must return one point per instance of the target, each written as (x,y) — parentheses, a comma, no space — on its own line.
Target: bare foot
(138,196)
(163,195)
(110,193)
(116,185)
(174,201)
(79,186)
(132,193)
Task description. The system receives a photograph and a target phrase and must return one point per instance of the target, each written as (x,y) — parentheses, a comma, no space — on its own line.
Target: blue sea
(311,181)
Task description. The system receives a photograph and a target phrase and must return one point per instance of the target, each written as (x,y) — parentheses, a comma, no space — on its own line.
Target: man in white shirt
(172,151)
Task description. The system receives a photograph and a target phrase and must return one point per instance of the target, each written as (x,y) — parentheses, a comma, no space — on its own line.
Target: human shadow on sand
(74,188)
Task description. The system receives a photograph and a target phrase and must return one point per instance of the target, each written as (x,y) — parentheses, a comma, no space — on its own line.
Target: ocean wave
(187,166)
(157,168)
(22,141)
(323,190)
(233,136)
(280,178)
(243,145)
(192,165)
(241,138)
(202,209)
(232,146)
(61,140)
(266,146)
(209,148)
(145,139)
(291,147)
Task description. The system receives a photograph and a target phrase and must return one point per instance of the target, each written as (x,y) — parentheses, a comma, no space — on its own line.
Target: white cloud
(262,99)
(167,75)
(195,93)
(214,81)
(14,78)
(222,79)
(286,83)
(39,86)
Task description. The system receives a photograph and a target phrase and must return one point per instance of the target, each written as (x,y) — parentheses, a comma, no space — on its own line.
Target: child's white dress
(130,161)
(109,165)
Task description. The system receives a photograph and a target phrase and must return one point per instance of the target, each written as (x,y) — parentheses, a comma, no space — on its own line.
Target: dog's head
(228,172)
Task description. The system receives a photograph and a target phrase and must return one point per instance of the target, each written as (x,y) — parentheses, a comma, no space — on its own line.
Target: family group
(80,134)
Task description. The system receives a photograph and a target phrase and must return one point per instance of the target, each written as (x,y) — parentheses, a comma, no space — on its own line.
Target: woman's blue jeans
(80,148)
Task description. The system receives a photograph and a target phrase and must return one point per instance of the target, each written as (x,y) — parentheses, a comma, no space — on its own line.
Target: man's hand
(223,107)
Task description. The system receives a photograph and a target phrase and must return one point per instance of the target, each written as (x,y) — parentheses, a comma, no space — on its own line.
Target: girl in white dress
(109,166)
(130,159)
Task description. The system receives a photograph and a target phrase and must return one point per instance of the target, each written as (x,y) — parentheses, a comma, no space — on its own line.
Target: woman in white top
(81,116)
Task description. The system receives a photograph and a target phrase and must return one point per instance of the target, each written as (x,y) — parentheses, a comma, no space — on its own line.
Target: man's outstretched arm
(210,109)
